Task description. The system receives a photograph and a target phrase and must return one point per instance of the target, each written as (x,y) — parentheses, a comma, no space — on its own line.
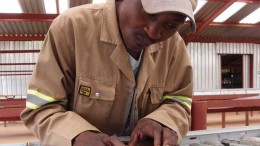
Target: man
(113,69)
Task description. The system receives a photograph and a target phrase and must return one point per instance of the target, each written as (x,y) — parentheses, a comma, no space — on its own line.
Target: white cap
(185,7)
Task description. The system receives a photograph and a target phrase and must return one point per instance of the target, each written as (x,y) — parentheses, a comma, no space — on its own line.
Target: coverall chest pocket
(156,95)
(152,99)
(95,99)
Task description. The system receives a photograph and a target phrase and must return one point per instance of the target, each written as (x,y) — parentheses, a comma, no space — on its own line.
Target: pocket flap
(156,94)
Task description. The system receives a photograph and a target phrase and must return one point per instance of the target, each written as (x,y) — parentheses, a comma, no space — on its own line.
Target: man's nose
(154,31)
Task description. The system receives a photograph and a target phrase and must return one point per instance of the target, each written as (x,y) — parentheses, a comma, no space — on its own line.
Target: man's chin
(135,48)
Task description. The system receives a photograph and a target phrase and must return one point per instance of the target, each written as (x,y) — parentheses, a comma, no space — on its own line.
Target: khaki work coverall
(84,66)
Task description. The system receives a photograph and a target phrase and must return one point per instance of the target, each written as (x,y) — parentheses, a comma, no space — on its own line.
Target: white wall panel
(205,64)
(16,84)
(205,59)
(246,71)
(256,78)
(234,48)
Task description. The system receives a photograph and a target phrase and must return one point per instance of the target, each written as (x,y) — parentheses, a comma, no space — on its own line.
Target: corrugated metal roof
(230,29)
(231,32)
(208,10)
(74,3)
(242,13)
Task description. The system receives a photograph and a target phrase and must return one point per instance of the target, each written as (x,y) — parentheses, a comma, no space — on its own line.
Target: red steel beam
(22,38)
(19,51)
(27,17)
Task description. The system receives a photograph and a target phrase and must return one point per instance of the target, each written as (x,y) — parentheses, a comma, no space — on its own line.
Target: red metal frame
(201,108)
(27,17)
(22,37)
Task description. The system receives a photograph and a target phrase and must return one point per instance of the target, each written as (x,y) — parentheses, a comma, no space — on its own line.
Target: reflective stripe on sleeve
(36,99)
(31,105)
(184,100)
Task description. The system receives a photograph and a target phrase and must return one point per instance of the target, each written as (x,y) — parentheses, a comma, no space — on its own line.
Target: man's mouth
(143,41)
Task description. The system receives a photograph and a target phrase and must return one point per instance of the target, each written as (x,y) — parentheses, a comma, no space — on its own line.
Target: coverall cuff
(81,127)
(71,127)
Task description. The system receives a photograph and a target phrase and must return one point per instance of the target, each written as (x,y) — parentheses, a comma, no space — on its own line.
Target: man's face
(140,29)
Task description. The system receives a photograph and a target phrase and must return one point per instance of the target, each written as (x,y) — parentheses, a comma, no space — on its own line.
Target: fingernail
(113,136)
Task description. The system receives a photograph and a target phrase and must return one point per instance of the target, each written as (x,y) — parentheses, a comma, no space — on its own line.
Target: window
(232,71)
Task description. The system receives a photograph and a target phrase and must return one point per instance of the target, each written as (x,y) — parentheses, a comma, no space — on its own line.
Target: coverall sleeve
(47,112)
(175,109)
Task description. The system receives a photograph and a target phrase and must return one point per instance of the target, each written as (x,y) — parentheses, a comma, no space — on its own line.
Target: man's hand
(146,128)
(89,138)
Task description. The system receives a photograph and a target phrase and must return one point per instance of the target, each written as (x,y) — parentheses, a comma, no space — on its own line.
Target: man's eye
(171,25)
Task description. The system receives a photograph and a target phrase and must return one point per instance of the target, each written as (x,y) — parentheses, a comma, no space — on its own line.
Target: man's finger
(115,141)
(157,137)
(134,139)
(170,137)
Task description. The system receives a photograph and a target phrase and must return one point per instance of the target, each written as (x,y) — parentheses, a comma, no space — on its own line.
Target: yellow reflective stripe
(186,101)
(42,96)
(186,104)
(178,97)
(31,105)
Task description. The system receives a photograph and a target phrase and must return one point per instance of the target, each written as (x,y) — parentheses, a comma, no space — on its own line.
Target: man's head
(145,22)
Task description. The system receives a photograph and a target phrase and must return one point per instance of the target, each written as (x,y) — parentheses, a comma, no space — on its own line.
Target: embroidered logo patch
(84,90)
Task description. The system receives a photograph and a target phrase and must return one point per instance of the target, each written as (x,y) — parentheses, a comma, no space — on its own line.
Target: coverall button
(97,94)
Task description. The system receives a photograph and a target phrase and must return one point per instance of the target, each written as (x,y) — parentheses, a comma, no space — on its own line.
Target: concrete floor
(16,132)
